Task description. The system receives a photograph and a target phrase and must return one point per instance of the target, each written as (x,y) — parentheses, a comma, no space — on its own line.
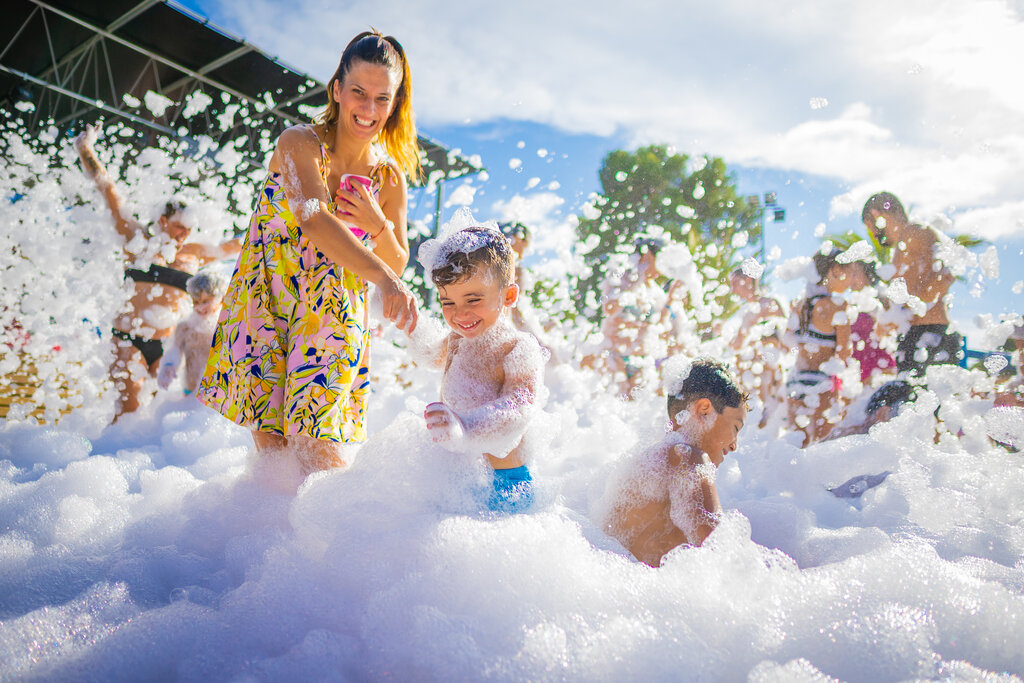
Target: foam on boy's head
(469,250)
(705,378)
(206,282)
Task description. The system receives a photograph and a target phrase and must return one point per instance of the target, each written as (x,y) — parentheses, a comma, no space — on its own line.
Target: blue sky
(822,104)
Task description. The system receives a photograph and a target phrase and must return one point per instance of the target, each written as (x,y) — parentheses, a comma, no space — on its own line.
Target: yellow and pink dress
(291,352)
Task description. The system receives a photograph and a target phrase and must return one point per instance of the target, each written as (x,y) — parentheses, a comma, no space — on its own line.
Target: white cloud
(462,195)
(552,235)
(924,95)
(534,209)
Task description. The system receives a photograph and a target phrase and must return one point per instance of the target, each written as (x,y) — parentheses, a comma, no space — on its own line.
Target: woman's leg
(317,454)
(128,372)
(312,455)
(265,441)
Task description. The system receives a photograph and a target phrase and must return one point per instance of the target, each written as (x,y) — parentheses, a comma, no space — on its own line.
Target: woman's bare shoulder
(298,137)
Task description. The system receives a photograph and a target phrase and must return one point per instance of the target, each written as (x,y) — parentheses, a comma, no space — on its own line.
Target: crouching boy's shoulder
(682,456)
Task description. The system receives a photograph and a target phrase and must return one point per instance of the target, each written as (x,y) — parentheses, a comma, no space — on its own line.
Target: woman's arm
(841,320)
(829,315)
(126,226)
(206,253)
(296,156)
(385,221)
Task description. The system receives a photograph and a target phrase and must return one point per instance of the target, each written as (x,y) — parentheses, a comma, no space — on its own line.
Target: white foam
(157,549)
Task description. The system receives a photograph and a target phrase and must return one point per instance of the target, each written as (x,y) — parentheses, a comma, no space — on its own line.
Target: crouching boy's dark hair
(708,379)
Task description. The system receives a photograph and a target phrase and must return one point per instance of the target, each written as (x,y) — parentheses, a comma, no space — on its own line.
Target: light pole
(778,215)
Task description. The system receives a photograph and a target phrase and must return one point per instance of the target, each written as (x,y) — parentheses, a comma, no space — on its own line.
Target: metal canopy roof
(76,60)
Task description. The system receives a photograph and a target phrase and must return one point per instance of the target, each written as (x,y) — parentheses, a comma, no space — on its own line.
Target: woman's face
(846,277)
(366,98)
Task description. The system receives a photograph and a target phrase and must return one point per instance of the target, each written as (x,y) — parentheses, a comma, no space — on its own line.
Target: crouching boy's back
(668,497)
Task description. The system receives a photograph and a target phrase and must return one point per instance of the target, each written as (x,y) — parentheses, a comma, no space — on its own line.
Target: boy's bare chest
(472,378)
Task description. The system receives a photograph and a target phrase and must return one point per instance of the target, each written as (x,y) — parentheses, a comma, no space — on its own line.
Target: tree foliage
(655,191)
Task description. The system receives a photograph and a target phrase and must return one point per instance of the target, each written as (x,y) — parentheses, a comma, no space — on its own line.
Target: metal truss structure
(80,61)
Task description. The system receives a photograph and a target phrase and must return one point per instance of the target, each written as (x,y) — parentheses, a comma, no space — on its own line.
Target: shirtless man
(928,341)
(669,497)
(160,263)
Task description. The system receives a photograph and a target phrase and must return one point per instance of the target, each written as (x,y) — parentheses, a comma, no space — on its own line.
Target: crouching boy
(492,379)
(668,497)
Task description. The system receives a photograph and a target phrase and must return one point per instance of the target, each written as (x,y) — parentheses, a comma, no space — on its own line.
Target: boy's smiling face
(716,432)
(471,306)
(721,438)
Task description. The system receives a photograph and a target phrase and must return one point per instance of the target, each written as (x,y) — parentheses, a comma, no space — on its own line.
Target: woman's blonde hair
(398,136)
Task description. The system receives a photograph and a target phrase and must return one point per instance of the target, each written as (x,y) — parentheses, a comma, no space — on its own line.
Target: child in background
(193,335)
(884,405)
(1012,393)
(669,496)
(821,336)
(492,378)
(758,343)
(865,330)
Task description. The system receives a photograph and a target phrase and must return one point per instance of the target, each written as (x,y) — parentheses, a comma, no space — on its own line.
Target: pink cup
(349,181)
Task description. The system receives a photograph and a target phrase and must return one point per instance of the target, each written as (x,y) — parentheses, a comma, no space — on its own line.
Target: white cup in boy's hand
(443,424)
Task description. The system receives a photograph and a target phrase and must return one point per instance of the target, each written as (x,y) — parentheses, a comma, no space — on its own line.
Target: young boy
(492,372)
(884,405)
(193,335)
(669,497)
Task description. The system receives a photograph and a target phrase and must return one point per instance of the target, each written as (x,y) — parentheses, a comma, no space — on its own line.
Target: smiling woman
(291,350)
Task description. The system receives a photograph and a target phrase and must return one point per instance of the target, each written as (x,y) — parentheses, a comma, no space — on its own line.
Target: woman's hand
(86,139)
(360,209)
(399,304)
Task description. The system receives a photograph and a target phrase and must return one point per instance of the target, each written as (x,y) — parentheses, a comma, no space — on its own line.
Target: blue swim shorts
(512,491)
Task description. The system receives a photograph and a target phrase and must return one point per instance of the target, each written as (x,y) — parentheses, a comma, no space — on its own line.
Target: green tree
(656,191)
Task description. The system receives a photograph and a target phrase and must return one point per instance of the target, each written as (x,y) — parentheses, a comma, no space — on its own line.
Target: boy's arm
(170,361)
(693,498)
(497,427)
(127,227)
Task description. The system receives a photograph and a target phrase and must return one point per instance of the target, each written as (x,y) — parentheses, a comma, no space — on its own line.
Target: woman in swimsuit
(290,356)
(820,331)
(159,298)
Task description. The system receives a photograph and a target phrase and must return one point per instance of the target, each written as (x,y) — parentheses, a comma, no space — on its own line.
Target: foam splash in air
(155,549)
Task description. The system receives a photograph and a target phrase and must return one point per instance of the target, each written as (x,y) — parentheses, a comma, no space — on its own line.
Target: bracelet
(388,224)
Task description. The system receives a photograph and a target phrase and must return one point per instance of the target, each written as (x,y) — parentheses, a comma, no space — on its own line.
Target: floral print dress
(290,354)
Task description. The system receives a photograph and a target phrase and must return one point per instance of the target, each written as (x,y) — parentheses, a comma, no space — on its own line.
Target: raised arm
(429,343)
(84,143)
(296,159)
